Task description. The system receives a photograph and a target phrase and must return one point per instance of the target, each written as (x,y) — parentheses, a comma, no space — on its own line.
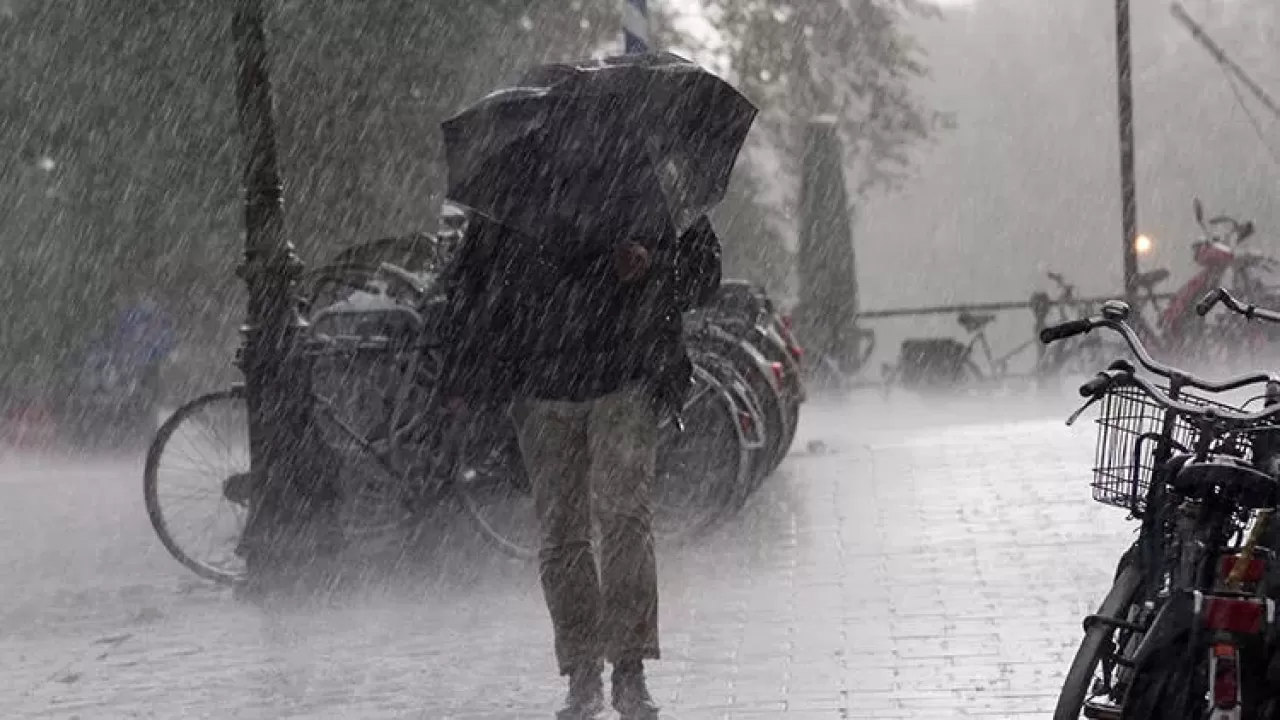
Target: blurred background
(980,143)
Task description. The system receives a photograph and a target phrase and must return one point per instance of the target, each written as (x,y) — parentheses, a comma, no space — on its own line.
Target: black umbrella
(620,137)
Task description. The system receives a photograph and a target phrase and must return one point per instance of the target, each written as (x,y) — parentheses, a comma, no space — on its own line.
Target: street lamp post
(1128,181)
(275,370)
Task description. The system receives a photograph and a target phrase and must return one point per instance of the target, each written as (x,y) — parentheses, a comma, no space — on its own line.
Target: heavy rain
(639,359)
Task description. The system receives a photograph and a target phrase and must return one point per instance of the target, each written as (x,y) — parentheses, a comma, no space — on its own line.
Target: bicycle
(1183,632)
(746,311)
(411,457)
(1176,332)
(764,382)
(947,363)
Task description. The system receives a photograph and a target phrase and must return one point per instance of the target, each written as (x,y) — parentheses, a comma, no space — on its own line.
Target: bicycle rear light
(1224,679)
(779,372)
(1252,574)
(1237,615)
(745,420)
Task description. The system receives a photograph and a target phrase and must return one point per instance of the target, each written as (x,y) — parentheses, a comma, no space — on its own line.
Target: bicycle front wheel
(1102,640)
(202,450)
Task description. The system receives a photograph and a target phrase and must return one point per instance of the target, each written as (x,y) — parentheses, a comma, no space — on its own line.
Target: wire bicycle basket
(1131,430)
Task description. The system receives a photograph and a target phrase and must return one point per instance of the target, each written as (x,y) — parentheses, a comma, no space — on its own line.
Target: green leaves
(801,58)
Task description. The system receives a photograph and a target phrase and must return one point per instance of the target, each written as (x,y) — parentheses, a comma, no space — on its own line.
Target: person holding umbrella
(589,239)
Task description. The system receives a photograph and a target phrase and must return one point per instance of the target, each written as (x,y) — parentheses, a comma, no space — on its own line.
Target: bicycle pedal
(1101,711)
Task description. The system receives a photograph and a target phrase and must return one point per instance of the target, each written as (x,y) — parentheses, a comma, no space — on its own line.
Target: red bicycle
(1178,333)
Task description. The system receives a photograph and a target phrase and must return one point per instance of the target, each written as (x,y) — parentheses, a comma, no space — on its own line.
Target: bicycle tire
(771,402)
(746,406)
(792,391)
(491,535)
(150,482)
(733,463)
(793,425)
(472,505)
(1079,680)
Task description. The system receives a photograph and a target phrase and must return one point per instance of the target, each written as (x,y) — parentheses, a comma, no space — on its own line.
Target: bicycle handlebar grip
(1097,385)
(1070,328)
(1213,297)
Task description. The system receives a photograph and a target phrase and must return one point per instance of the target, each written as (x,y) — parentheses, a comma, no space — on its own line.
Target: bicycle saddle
(1249,488)
(974,323)
(1151,279)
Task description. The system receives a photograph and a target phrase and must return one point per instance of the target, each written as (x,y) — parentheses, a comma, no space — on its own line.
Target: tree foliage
(852,59)
(122,158)
(117,121)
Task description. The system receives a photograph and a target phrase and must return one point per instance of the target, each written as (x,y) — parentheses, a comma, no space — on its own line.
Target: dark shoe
(631,696)
(586,696)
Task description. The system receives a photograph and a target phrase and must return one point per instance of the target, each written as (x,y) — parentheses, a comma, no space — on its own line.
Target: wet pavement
(901,565)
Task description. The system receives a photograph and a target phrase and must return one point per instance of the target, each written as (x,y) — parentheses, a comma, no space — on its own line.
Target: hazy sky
(1030,177)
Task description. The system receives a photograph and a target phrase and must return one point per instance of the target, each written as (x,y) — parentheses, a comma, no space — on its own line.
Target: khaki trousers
(601,450)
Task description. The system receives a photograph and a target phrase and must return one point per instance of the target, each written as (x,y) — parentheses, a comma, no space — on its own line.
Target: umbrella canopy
(648,138)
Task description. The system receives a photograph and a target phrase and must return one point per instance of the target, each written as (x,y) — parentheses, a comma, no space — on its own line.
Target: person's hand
(631,261)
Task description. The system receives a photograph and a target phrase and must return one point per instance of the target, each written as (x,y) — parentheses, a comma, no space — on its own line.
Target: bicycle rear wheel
(768,395)
(752,426)
(700,468)
(210,432)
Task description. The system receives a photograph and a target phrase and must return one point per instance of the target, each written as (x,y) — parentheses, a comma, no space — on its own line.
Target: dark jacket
(550,319)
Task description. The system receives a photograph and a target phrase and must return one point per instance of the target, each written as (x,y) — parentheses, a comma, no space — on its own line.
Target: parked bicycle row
(1188,628)
(375,355)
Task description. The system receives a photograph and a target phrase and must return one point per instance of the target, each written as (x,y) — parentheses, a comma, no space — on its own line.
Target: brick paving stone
(915,568)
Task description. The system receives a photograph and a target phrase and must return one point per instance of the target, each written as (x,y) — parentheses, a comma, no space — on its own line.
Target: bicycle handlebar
(1211,298)
(1248,310)
(1226,419)
(1114,315)
(1062,331)
(1105,379)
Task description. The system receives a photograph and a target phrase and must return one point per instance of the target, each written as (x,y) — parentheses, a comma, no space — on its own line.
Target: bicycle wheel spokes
(196,484)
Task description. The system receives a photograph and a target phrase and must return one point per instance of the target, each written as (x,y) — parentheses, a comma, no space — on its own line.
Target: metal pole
(635,26)
(1128,182)
(273,329)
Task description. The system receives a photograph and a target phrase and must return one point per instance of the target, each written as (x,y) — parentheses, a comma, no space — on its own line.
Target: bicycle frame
(997,366)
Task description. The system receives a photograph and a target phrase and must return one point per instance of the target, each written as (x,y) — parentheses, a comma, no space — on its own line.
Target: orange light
(1143,244)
